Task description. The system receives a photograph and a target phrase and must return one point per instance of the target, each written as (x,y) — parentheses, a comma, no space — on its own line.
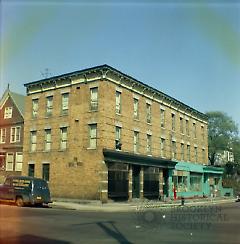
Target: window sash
(136,108)
(163,153)
(136,141)
(9,162)
(182,151)
(188,153)
(162,117)
(45,171)
(173,122)
(63,143)
(8,113)
(93,136)
(49,105)
(118,102)
(19,161)
(149,115)
(48,139)
(94,98)
(34,107)
(33,141)
(3,133)
(65,102)
(149,144)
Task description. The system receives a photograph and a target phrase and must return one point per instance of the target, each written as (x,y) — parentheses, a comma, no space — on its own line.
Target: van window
(40,184)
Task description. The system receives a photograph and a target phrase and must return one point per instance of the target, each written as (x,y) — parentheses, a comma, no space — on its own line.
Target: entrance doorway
(136,181)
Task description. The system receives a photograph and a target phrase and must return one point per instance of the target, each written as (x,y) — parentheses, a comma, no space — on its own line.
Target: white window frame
(9,164)
(162,117)
(63,137)
(65,103)
(92,136)
(149,144)
(136,141)
(8,112)
(48,140)
(163,147)
(188,152)
(196,154)
(135,108)
(182,151)
(33,141)
(3,133)
(148,113)
(94,98)
(15,134)
(19,161)
(174,149)
(49,105)
(118,102)
(35,107)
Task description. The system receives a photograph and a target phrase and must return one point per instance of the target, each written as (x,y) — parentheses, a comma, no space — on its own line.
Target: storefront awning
(189,167)
(130,158)
(212,170)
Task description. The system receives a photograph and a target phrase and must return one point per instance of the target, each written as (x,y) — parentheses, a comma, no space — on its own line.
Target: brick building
(11,133)
(99,133)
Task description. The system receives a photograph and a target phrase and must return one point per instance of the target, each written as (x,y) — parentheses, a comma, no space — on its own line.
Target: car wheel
(19,202)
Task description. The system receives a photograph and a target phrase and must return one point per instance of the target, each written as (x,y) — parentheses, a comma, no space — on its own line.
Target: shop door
(136,181)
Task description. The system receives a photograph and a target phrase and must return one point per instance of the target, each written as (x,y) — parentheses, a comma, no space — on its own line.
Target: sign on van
(21,182)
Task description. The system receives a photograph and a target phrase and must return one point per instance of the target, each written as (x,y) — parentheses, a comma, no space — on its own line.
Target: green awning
(137,159)
(213,170)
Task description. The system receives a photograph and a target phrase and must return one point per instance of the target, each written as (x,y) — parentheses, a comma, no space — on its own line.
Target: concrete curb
(116,207)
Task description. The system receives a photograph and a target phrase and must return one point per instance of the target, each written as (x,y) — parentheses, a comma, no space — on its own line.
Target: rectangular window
(15,134)
(149,144)
(195,154)
(33,141)
(187,127)
(118,144)
(3,133)
(8,113)
(195,182)
(182,151)
(45,172)
(188,153)
(35,108)
(202,133)
(65,101)
(136,142)
(48,139)
(194,130)
(162,118)
(149,113)
(31,170)
(203,156)
(174,150)
(63,138)
(135,108)
(163,147)
(19,161)
(173,121)
(94,99)
(181,125)
(93,136)
(118,102)
(49,106)
(9,162)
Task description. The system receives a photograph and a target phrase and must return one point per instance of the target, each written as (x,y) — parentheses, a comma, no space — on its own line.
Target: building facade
(99,133)
(11,133)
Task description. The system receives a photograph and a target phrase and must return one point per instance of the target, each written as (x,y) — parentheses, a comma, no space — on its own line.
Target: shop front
(136,176)
(212,181)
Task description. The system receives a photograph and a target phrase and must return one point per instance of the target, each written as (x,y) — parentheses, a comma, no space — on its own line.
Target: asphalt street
(191,224)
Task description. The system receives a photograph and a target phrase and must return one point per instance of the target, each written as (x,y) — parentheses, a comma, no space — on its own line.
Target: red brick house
(11,133)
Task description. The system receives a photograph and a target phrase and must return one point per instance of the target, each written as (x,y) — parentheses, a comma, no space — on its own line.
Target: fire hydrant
(182,201)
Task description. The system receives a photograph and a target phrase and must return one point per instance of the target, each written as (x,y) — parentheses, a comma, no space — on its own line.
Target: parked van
(24,190)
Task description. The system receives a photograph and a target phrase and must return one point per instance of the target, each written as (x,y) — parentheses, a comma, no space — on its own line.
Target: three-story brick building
(99,133)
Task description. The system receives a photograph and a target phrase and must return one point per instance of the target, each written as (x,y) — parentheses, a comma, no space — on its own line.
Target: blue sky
(187,49)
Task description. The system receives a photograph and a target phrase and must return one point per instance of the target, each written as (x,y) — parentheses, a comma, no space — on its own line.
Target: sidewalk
(95,205)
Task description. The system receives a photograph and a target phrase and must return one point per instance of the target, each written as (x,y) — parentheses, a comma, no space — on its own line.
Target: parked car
(238,197)
(24,190)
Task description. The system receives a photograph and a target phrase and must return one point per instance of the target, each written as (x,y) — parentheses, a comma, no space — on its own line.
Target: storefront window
(196,182)
(180,183)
